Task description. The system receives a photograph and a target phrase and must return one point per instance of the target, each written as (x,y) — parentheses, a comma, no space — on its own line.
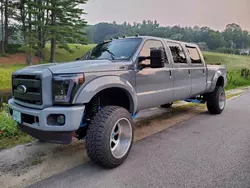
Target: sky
(213,13)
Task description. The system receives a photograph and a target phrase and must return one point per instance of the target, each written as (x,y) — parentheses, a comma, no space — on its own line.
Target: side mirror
(157,58)
(142,58)
(77,59)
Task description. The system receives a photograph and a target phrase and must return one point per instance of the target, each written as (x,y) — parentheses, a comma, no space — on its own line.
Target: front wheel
(109,136)
(216,100)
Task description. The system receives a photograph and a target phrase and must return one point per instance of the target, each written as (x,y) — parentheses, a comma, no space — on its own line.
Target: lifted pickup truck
(97,96)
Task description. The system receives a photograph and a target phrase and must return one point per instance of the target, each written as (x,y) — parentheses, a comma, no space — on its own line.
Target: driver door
(154,86)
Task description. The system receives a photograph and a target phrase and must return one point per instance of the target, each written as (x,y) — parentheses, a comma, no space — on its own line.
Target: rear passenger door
(181,71)
(198,71)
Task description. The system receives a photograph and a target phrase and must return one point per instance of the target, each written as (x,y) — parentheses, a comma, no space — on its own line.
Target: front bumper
(41,130)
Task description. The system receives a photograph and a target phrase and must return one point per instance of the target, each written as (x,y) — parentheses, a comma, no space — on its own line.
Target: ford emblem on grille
(21,89)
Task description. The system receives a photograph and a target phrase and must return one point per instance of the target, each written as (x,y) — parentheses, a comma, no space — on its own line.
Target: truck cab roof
(158,38)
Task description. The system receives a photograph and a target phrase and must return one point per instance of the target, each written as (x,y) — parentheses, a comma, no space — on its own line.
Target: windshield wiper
(111,54)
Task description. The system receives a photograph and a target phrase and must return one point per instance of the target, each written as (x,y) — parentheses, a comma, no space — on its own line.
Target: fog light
(56,119)
(61,119)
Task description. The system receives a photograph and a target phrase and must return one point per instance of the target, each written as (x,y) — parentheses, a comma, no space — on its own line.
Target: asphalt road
(206,151)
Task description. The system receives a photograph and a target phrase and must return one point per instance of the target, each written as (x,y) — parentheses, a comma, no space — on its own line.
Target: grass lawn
(234,80)
(8,142)
(5,74)
(63,55)
(233,62)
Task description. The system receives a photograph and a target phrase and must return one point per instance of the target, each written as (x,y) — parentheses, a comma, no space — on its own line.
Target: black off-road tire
(168,105)
(98,136)
(213,100)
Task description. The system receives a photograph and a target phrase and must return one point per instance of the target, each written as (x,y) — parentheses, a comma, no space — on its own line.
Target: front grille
(33,87)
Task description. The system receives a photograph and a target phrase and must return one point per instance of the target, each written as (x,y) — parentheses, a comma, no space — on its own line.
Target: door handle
(170,73)
(203,71)
(189,72)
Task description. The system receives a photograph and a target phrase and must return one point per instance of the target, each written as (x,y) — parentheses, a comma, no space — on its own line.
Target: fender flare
(215,79)
(85,94)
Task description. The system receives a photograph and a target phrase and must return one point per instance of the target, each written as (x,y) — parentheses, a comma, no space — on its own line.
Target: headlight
(66,86)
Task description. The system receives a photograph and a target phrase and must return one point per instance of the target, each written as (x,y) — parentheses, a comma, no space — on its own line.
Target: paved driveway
(206,151)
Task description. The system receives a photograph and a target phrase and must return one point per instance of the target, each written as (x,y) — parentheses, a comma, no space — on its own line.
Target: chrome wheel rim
(121,138)
(222,100)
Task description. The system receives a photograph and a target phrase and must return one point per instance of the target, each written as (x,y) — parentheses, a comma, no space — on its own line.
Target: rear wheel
(216,101)
(168,105)
(109,136)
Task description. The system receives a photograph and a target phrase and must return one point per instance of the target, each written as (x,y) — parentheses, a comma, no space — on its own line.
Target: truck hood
(78,66)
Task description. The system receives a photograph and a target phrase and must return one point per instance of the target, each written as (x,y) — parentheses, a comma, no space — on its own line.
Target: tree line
(232,38)
(34,23)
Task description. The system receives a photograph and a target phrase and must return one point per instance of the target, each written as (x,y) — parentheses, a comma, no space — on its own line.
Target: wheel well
(220,81)
(108,97)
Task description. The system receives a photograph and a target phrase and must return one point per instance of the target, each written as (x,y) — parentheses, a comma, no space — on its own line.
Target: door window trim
(163,48)
(182,50)
(201,62)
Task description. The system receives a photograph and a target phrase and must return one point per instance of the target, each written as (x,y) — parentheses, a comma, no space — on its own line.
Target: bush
(14,48)
(238,78)
(8,126)
(10,135)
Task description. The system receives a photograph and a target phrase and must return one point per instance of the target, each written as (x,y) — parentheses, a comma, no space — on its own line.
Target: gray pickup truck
(97,96)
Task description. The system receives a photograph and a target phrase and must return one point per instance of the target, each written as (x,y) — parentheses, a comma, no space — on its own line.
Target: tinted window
(177,53)
(118,49)
(150,44)
(194,55)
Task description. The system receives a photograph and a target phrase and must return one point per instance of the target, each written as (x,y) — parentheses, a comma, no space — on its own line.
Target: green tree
(5,30)
(233,33)
(233,36)
(56,21)
(177,36)
(66,24)
(215,40)
(7,12)
(2,26)
(103,30)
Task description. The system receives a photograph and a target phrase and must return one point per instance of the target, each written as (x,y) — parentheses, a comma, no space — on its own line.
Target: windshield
(118,49)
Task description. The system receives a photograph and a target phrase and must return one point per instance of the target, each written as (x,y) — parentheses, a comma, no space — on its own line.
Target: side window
(150,44)
(177,52)
(194,54)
